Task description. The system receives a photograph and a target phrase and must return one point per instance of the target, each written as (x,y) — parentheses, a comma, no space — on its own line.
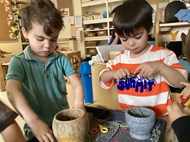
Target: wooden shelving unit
(170,32)
(101,31)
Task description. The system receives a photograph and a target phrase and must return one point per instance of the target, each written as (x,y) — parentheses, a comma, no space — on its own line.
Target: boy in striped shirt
(143,72)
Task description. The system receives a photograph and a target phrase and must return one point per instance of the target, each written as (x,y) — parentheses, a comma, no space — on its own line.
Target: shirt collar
(30,56)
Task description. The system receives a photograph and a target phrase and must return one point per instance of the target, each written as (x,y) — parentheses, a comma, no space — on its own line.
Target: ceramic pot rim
(67,110)
(148,109)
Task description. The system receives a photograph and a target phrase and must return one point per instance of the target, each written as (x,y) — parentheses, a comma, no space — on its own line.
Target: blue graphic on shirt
(140,84)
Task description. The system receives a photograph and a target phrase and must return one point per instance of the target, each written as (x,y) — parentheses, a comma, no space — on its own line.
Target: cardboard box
(107,98)
(102,33)
(91,43)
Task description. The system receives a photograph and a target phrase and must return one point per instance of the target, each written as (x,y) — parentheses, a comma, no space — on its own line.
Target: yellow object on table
(103,129)
(187,103)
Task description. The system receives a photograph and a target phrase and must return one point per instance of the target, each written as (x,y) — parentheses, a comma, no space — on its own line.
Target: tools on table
(98,128)
(103,129)
(118,131)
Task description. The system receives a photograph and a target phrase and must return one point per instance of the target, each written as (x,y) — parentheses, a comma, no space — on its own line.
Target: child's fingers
(185,93)
(122,73)
(177,107)
(185,83)
(137,70)
(128,73)
(183,99)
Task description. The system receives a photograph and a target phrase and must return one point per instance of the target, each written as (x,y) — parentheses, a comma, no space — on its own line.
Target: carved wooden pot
(71,125)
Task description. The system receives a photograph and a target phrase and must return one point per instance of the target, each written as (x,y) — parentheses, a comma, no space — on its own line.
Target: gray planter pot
(140,121)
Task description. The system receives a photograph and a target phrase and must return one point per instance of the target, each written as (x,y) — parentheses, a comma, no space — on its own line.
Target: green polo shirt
(43,85)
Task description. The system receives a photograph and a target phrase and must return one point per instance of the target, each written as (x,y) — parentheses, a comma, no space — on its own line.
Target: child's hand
(41,131)
(186,91)
(147,69)
(175,111)
(121,73)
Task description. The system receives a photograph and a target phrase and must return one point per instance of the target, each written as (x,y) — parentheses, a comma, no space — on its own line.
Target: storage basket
(90,34)
(91,43)
(102,33)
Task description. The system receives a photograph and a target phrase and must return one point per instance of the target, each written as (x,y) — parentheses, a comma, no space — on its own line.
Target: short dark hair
(132,15)
(44,13)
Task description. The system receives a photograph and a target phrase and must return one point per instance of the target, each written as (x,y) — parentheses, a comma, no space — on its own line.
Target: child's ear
(25,33)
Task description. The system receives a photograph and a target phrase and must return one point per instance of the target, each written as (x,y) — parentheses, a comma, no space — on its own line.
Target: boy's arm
(108,75)
(173,76)
(14,93)
(39,128)
(78,90)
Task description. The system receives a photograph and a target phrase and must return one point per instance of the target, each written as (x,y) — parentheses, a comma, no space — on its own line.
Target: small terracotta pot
(71,125)
(140,122)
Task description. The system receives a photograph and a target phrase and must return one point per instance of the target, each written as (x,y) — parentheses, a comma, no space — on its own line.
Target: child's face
(137,43)
(41,44)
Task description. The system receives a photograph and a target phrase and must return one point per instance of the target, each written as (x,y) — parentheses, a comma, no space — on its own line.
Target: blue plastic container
(85,72)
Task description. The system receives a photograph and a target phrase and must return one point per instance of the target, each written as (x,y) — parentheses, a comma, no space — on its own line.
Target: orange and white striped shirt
(153,92)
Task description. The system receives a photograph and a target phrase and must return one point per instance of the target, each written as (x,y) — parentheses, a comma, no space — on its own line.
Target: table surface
(169,133)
